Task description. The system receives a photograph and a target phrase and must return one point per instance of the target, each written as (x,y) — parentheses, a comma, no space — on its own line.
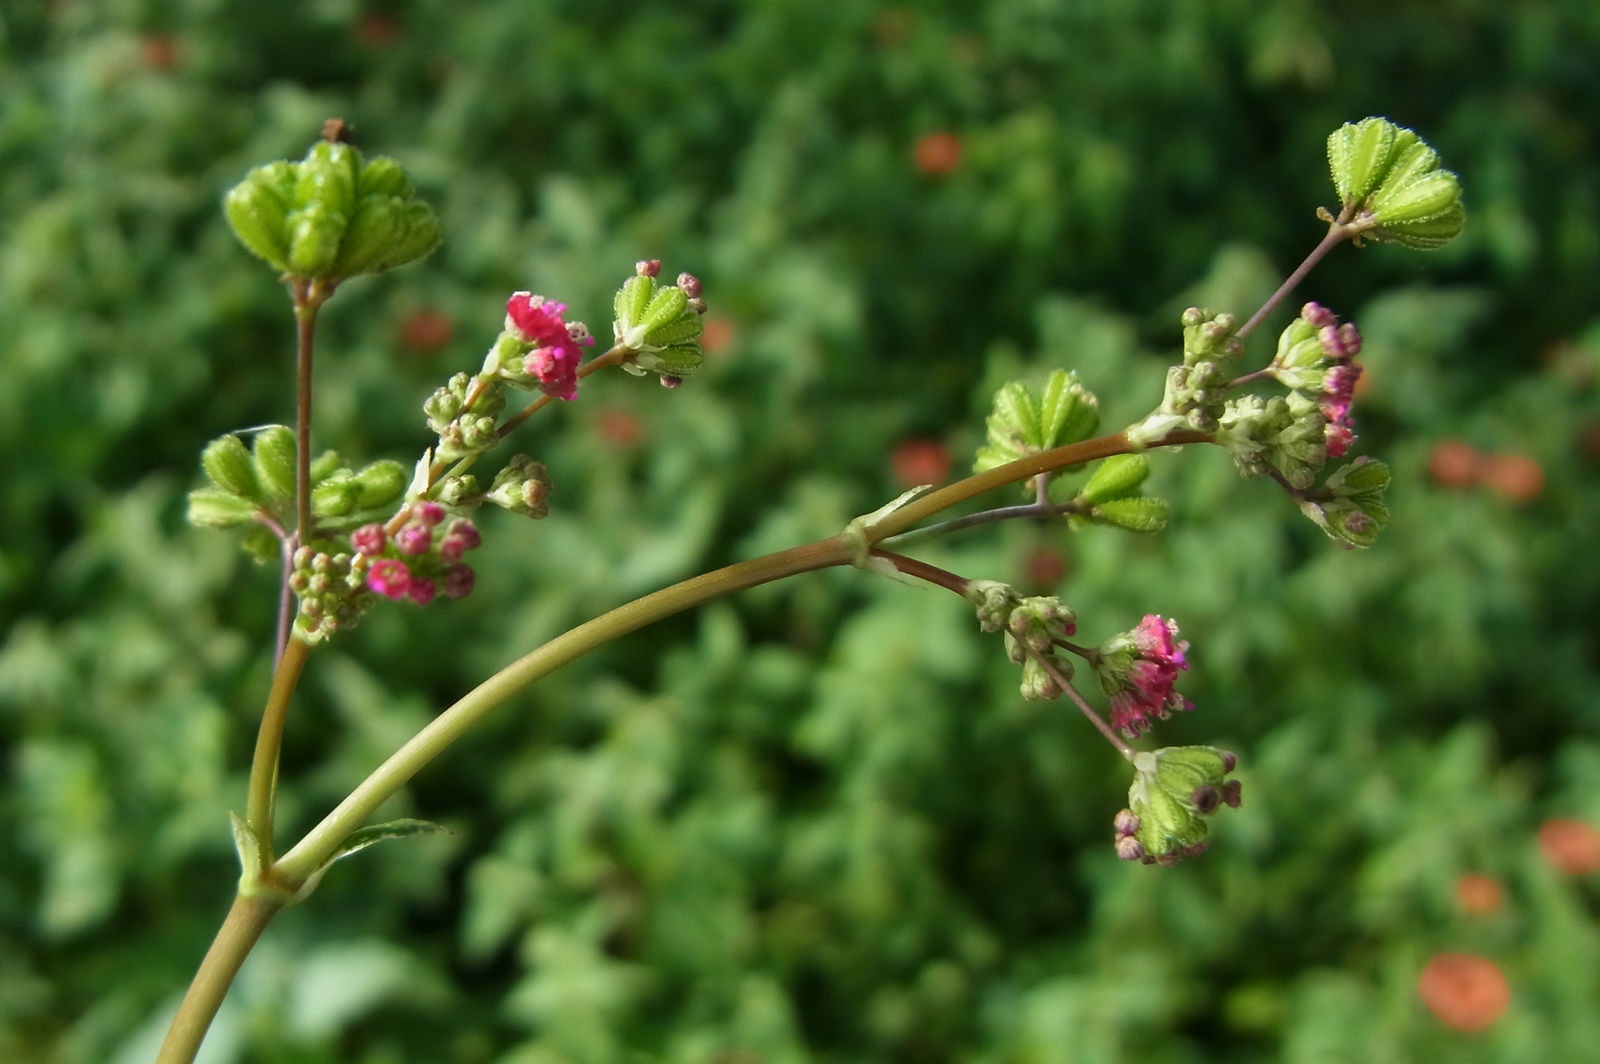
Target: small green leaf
(361,838)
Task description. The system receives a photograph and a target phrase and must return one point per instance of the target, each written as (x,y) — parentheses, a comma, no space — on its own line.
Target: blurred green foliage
(814,823)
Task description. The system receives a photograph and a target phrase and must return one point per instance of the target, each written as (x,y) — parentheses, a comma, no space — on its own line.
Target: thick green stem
(240,929)
(269,741)
(319,844)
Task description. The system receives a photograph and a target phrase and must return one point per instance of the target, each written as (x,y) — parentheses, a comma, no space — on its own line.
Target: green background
(815,822)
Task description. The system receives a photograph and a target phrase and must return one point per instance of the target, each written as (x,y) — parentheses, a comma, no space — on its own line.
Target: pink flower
(1139,670)
(369,539)
(553,362)
(1338,395)
(420,591)
(389,577)
(414,539)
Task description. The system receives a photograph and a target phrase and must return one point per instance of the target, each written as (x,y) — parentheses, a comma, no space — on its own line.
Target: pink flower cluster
(1340,345)
(1148,688)
(431,562)
(553,362)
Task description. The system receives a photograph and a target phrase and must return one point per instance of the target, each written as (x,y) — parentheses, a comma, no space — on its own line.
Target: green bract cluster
(1391,179)
(659,325)
(1349,506)
(255,486)
(1174,789)
(332,215)
(1028,421)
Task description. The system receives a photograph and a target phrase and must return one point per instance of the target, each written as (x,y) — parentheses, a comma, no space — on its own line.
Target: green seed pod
(259,215)
(327,178)
(1137,514)
(375,226)
(675,360)
(274,453)
(665,306)
(218,508)
(1363,478)
(314,235)
(1068,412)
(227,463)
(419,237)
(1359,155)
(334,497)
(324,465)
(381,483)
(383,176)
(1117,477)
(680,330)
(631,300)
(1419,199)
(1428,235)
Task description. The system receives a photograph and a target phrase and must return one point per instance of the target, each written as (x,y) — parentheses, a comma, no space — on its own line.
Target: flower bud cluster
(1138,670)
(660,325)
(465,413)
(1033,628)
(1294,435)
(332,591)
(332,215)
(523,487)
(419,558)
(1194,395)
(1173,790)
(1391,187)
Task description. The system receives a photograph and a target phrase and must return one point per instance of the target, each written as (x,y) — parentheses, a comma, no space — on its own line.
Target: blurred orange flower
(1478,894)
(1571,846)
(938,153)
(1464,991)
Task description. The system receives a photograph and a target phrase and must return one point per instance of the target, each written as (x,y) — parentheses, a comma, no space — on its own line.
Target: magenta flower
(414,539)
(389,577)
(369,540)
(1139,671)
(553,362)
(1338,395)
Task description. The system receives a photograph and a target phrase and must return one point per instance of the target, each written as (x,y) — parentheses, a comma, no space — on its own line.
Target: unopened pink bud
(648,267)
(420,591)
(428,513)
(414,539)
(690,284)
(458,581)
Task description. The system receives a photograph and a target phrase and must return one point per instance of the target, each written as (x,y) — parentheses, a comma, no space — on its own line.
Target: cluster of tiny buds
(329,587)
(416,561)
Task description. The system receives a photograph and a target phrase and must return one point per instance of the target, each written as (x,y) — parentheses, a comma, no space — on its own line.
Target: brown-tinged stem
(305,320)
(1061,681)
(269,741)
(1338,232)
(923,571)
(240,929)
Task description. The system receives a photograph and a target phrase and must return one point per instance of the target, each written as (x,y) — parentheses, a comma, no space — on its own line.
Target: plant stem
(320,843)
(269,742)
(305,319)
(1338,232)
(240,929)
(1082,703)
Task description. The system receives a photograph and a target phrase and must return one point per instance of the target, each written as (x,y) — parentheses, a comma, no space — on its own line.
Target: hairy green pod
(1137,514)
(327,178)
(678,331)
(664,307)
(381,483)
(273,454)
(258,214)
(314,235)
(1359,154)
(227,463)
(631,300)
(383,176)
(219,508)
(1117,477)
